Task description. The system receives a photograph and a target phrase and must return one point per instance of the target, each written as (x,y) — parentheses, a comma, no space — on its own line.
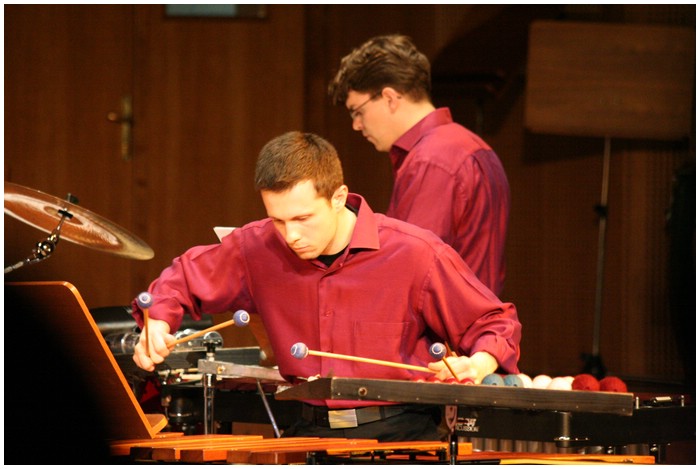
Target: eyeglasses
(355,113)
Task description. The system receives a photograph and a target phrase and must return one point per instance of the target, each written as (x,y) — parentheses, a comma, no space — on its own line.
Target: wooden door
(210,93)
(66,68)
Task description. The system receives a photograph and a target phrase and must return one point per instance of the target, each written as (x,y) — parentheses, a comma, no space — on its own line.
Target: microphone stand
(593,363)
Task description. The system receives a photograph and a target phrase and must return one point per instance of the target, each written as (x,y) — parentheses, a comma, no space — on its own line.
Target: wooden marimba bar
(254,449)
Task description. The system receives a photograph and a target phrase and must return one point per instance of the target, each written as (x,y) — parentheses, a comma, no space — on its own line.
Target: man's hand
(475,367)
(159,337)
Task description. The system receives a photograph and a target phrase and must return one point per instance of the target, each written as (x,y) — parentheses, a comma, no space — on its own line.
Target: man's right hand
(159,337)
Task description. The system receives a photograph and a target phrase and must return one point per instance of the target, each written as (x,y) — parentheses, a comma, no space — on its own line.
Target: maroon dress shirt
(447,180)
(395,290)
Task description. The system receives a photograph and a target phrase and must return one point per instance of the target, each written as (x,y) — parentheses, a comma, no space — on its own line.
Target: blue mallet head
(300,350)
(513,380)
(494,379)
(144,300)
(438,350)
(241,318)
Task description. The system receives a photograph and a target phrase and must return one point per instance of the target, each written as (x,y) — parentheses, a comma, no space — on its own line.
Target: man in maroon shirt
(446,179)
(323,269)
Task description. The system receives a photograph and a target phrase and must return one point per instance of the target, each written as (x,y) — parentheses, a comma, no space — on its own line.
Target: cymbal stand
(45,248)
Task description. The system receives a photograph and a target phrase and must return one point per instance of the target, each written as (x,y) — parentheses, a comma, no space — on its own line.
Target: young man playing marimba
(324,270)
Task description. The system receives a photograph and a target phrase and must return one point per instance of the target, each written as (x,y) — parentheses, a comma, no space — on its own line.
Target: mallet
(438,351)
(145,300)
(240,318)
(300,351)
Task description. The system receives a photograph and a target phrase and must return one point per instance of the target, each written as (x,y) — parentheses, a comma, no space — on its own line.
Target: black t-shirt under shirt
(328,259)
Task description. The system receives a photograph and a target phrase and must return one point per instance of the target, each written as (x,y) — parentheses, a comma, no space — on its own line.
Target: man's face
(306,221)
(371,116)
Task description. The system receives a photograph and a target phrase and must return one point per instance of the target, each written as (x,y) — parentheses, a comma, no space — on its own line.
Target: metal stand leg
(454,447)
(594,363)
(208,404)
(450,419)
(565,425)
(267,408)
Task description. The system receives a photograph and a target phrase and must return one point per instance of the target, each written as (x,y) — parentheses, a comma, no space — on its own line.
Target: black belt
(349,418)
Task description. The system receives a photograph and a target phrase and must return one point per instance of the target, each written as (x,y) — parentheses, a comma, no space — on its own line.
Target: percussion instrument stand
(44,248)
(210,342)
(267,409)
(450,421)
(208,403)
(209,390)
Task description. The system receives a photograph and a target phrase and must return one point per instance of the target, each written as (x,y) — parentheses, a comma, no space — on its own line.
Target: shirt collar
(366,233)
(408,140)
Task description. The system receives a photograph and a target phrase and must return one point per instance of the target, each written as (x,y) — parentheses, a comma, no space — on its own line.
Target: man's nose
(357,124)
(292,234)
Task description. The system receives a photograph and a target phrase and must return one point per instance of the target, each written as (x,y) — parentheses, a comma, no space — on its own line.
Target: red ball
(585,382)
(466,381)
(613,384)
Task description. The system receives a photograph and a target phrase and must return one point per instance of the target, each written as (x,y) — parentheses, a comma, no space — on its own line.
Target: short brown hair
(295,157)
(391,60)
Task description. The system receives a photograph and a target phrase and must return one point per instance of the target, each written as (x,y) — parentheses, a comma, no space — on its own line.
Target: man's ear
(340,196)
(392,97)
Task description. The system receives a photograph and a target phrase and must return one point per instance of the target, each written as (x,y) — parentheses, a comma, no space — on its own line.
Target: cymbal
(85,228)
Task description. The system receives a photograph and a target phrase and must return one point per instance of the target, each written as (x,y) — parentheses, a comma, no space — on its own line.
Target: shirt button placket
(325,323)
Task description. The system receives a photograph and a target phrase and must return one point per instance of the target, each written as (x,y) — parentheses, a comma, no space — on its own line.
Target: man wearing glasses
(446,178)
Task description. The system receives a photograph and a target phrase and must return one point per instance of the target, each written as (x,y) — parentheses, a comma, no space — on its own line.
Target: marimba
(555,410)
(254,449)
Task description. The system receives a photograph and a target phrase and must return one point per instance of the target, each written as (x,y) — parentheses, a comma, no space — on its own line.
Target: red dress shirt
(447,180)
(395,290)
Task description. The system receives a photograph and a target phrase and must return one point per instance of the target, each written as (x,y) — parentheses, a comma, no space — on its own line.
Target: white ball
(527,381)
(541,381)
(559,383)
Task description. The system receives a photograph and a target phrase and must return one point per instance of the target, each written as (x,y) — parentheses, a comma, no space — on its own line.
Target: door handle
(126,120)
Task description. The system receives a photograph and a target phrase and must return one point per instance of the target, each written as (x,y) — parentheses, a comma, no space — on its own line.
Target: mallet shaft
(370,360)
(201,333)
(145,331)
(447,364)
